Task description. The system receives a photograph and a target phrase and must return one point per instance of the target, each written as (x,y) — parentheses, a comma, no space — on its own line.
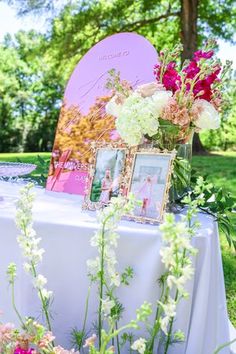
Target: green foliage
(225,137)
(127,275)
(30,90)
(220,169)
(34,68)
(39,175)
(96,191)
(220,204)
(158,20)
(78,338)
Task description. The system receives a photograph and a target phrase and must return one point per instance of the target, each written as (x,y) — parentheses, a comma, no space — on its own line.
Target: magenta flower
(191,70)
(199,54)
(204,88)
(205,85)
(19,350)
(170,79)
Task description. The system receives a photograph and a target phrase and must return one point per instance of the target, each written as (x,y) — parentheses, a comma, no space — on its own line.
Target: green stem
(102,280)
(101,286)
(117,339)
(14,304)
(85,316)
(105,342)
(42,299)
(156,326)
(130,343)
(113,334)
(44,305)
(224,346)
(176,299)
(171,326)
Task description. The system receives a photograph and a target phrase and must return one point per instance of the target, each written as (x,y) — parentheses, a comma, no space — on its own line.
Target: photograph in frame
(150,182)
(106,176)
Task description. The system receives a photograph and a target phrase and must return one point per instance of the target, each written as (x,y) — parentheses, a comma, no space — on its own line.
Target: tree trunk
(188,21)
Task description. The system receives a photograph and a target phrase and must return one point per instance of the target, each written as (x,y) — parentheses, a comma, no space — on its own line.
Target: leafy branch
(218,203)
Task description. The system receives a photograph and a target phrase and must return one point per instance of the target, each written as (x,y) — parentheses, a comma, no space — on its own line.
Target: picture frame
(106,174)
(148,177)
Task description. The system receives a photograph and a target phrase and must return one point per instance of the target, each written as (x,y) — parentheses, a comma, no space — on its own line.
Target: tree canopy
(35,67)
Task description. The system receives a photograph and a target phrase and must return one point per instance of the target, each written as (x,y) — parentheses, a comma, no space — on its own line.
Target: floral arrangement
(176,254)
(183,98)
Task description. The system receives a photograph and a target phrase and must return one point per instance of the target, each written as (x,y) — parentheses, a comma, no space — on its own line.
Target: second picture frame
(149,179)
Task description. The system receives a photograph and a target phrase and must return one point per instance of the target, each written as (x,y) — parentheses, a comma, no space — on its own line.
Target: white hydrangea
(138,116)
(209,117)
(112,107)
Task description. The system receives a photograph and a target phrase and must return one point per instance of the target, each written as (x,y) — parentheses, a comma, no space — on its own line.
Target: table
(66,230)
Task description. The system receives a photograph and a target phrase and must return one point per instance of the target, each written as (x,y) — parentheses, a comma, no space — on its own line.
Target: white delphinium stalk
(29,244)
(103,268)
(177,254)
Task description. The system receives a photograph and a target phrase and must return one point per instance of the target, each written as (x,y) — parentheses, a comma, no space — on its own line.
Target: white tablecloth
(66,230)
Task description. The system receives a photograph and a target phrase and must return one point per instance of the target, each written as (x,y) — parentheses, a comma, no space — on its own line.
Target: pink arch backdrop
(83,118)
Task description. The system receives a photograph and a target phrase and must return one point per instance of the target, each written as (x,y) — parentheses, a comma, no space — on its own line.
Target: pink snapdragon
(46,340)
(90,341)
(197,78)
(205,86)
(170,78)
(191,70)
(200,54)
(6,332)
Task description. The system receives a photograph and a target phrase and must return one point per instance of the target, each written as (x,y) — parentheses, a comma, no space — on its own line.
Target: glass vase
(181,176)
(169,138)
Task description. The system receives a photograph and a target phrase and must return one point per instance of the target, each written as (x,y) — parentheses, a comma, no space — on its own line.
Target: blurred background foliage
(35,67)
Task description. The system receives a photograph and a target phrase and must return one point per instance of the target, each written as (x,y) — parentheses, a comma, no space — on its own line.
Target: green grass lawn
(220,169)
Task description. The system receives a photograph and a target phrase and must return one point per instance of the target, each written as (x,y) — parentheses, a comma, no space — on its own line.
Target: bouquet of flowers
(181,99)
